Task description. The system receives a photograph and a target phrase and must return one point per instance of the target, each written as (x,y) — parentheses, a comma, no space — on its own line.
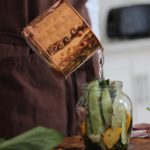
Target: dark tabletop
(139,144)
(76,143)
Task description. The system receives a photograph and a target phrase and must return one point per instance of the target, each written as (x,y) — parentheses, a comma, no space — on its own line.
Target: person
(30,94)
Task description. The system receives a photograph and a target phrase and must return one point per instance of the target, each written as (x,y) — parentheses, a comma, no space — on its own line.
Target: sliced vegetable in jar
(111,137)
(128,121)
(94,112)
(106,103)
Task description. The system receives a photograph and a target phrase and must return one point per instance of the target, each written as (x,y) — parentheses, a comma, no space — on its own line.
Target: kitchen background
(127,60)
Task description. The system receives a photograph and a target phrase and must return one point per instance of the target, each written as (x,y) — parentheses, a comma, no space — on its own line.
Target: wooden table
(139,144)
(77,144)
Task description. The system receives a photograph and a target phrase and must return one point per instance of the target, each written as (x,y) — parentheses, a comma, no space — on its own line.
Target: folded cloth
(141,126)
(141,130)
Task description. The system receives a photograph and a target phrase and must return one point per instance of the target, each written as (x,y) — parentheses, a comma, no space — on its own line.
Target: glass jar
(105,115)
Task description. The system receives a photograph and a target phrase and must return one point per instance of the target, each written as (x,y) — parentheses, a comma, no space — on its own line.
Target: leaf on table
(38,138)
(2,140)
(148,108)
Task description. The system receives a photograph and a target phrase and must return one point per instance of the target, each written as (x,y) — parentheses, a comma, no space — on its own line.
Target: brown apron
(30,94)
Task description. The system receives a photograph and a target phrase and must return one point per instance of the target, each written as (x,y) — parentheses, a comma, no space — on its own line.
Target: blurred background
(123,27)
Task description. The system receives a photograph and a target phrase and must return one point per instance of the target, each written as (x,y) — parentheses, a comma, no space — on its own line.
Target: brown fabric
(17,13)
(30,94)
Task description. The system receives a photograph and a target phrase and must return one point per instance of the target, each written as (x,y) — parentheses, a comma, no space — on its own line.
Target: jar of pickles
(105,115)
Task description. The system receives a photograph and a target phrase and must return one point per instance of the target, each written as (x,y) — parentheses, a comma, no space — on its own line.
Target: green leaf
(2,140)
(38,138)
(148,108)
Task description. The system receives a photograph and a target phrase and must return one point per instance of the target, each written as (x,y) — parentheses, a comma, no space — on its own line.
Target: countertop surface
(77,143)
(139,144)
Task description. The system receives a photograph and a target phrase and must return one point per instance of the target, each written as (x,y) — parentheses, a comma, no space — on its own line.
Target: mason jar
(104,115)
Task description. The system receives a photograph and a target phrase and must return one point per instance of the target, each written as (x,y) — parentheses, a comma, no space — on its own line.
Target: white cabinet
(130,63)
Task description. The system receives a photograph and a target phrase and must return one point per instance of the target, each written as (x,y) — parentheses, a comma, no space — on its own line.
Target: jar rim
(115,83)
